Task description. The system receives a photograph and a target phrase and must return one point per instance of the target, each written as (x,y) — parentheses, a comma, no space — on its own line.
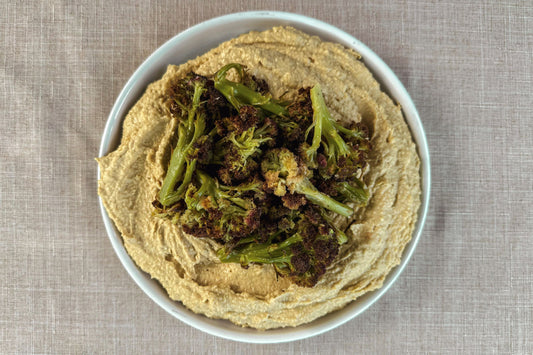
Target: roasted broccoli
(299,117)
(238,94)
(238,151)
(191,128)
(228,212)
(284,172)
(302,253)
(354,191)
(329,152)
(264,178)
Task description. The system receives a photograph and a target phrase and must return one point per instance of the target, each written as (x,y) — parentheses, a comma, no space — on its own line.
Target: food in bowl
(264,295)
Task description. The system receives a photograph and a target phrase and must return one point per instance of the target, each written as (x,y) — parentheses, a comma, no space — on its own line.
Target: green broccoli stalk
(278,254)
(253,188)
(355,192)
(342,238)
(282,170)
(289,258)
(191,127)
(335,151)
(238,94)
(324,126)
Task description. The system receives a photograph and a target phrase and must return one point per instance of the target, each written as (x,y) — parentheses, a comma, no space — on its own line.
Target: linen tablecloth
(468,67)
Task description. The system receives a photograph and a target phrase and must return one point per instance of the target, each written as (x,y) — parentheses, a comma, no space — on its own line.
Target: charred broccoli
(283,172)
(227,212)
(191,128)
(263,178)
(237,152)
(301,253)
(300,114)
(238,94)
(337,154)
(354,191)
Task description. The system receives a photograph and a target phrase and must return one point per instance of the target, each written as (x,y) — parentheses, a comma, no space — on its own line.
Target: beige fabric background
(468,67)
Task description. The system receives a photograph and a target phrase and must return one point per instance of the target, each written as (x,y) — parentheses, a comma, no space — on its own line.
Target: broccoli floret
(293,201)
(283,172)
(238,94)
(329,151)
(301,108)
(299,117)
(244,119)
(287,256)
(325,132)
(228,211)
(337,152)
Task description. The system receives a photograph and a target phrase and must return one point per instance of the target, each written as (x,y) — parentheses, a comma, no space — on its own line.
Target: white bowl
(198,40)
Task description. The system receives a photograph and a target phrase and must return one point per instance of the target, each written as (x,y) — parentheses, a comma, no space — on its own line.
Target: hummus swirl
(187,267)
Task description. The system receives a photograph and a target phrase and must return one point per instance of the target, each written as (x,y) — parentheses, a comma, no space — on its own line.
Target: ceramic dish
(198,40)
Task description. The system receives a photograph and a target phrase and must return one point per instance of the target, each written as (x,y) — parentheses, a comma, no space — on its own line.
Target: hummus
(187,267)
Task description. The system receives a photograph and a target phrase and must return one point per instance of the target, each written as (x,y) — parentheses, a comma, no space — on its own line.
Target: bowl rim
(388,81)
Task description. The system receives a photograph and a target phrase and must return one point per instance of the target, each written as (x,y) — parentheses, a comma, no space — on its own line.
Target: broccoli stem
(207,188)
(238,94)
(219,193)
(348,132)
(324,126)
(174,196)
(356,194)
(282,171)
(318,198)
(264,253)
(180,168)
(340,235)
